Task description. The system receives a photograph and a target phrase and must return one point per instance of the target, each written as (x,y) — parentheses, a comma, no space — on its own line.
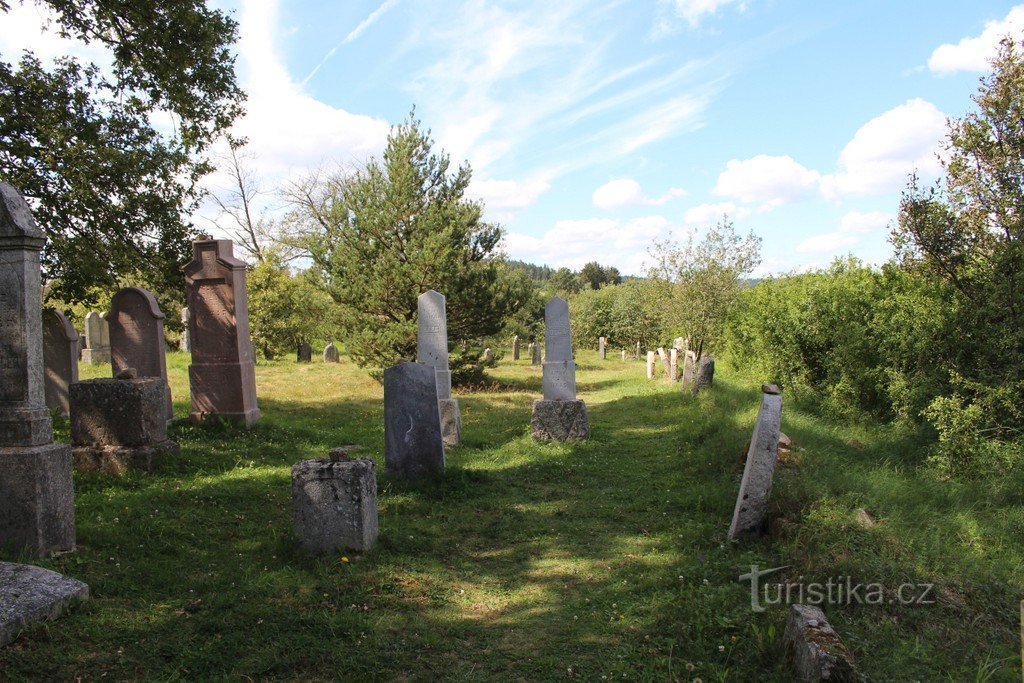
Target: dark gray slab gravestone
(97,339)
(31,594)
(37,515)
(705,375)
(137,338)
(432,350)
(334,504)
(515,347)
(559,416)
(304,354)
(331,353)
(752,502)
(413,446)
(689,366)
(60,356)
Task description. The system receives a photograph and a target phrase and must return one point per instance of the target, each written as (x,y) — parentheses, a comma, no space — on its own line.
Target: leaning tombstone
(559,416)
(602,343)
(689,365)
(748,517)
(223,373)
(37,513)
(137,338)
(705,374)
(650,365)
(673,364)
(304,353)
(334,503)
(331,353)
(117,424)
(432,349)
(60,356)
(185,343)
(97,339)
(515,347)
(413,446)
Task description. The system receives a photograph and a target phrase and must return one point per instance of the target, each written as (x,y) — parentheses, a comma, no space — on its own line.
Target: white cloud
(24,27)
(692,11)
(973,54)
(858,222)
(502,198)
(705,215)
(625,193)
(572,243)
(767,180)
(830,242)
(887,149)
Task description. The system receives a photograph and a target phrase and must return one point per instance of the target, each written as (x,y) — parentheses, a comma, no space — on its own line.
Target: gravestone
(515,347)
(97,339)
(650,365)
(137,338)
(488,356)
(748,516)
(602,343)
(331,353)
(432,350)
(413,446)
(304,353)
(37,514)
(636,355)
(689,365)
(559,416)
(817,652)
(118,424)
(185,343)
(31,594)
(623,356)
(334,504)
(705,374)
(535,358)
(223,373)
(673,364)
(60,356)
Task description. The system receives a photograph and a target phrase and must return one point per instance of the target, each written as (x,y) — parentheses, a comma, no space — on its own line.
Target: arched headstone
(60,356)
(137,337)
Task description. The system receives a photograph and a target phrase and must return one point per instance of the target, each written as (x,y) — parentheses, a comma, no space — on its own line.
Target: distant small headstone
(650,365)
(535,357)
(623,356)
(331,354)
(488,356)
(304,353)
(602,343)
(60,355)
(663,357)
(97,339)
(752,502)
(137,338)
(413,446)
(705,376)
(515,347)
(638,351)
(679,343)
(185,342)
(559,416)
(673,364)
(689,367)
(334,504)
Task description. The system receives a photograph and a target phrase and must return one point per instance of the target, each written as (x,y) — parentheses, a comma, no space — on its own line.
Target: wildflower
(690,666)
(345,560)
(721,648)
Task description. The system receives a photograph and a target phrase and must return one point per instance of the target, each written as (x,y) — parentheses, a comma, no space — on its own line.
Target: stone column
(37,514)
(97,339)
(559,416)
(137,338)
(223,372)
(60,357)
(535,358)
(432,350)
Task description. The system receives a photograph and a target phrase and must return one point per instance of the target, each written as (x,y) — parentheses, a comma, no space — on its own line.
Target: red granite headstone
(137,337)
(222,374)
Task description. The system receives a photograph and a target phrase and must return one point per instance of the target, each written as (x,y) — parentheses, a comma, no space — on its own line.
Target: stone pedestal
(31,594)
(334,505)
(560,420)
(451,421)
(37,511)
(116,425)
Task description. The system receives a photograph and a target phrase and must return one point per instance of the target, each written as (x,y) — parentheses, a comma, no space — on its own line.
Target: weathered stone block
(31,594)
(560,420)
(817,652)
(451,421)
(37,499)
(334,504)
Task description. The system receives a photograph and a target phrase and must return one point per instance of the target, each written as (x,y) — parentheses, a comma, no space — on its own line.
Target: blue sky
(594,128)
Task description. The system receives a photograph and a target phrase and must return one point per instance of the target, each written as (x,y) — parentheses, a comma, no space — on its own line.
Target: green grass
(604,559)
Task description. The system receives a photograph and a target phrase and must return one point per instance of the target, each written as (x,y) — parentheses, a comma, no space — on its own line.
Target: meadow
(598,560)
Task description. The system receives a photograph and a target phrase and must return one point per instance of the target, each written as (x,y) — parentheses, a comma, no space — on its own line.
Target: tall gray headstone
(689,368)
(515,347)
(559,416)
(663,357)
(97,339)
(752,502)
(60,356)
(137,338)
(185,343)
(432,350)
(623,355)
(37,514)
(673,364)
(413,446)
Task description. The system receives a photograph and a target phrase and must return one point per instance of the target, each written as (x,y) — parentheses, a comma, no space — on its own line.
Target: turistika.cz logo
(842,590)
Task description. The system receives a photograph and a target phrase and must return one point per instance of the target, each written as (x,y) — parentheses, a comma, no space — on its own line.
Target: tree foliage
(109,188)
(286,308)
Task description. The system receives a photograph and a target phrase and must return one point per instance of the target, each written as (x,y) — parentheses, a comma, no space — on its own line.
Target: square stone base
(37,500)
(120,459)
(451,422)
(29,594)
(560,420)
(334,505)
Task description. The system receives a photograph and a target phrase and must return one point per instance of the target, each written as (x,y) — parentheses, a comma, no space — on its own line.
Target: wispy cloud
(352,35)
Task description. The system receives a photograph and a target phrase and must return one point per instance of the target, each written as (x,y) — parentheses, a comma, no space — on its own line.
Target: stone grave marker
(185,342)
(638,351)
(559,416)
(515,347)
(334,504)
(602,343)
(223,373)
(650,365)
(752,502)
(432,350)
(488,356)
(60,356)
(413,446)
(304,354)
(137,338)
(673,364)
(689,365)
(705,375)
(331,353)
(97,339)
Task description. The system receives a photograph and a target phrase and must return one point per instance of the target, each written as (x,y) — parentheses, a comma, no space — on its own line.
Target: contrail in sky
(353,34)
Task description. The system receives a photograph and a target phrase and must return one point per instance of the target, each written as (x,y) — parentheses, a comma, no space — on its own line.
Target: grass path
(599,560)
